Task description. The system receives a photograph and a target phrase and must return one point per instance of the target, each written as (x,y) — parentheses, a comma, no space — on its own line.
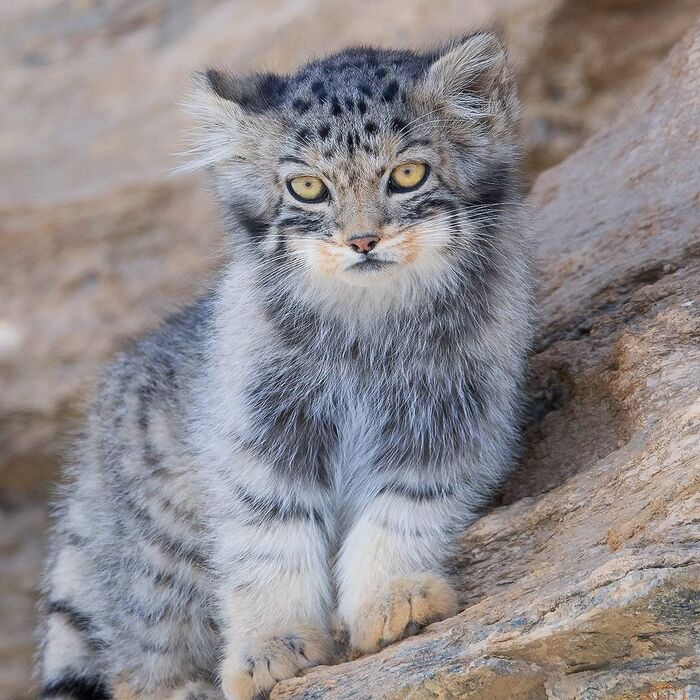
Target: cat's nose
(363,242)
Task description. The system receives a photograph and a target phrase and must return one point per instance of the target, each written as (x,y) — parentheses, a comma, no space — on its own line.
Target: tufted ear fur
(254,93)
(472,78)
(232,115)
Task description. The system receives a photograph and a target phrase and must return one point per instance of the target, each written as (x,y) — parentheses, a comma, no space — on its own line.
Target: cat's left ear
(234,115)
(470,74)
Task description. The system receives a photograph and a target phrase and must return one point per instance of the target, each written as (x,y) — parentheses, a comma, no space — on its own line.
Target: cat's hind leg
(70,641)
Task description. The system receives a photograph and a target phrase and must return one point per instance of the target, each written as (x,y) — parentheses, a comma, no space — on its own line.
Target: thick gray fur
(306,443)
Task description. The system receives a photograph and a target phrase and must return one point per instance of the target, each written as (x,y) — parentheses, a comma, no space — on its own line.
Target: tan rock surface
(591,590)
(84,277)
(22,527)
(97,244)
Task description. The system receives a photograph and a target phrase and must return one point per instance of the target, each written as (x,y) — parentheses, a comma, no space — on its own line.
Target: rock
(587,585)
(81,279)
(587,60)
(98,244)
(22,526)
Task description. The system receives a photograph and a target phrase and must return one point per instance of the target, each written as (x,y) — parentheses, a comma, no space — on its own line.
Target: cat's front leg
(274,590)
(391,571)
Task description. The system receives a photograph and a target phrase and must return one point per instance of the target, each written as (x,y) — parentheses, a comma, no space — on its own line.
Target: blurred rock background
(98,240)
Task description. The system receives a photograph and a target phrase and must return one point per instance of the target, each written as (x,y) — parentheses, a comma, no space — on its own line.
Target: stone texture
(580,584)
(584,62)
(84,277)
(587,585)
(22,527)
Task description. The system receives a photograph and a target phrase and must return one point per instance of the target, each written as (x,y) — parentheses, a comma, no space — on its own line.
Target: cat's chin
(371,273)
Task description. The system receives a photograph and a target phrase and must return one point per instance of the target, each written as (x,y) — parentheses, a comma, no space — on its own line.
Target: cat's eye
(307,188)
(408,177)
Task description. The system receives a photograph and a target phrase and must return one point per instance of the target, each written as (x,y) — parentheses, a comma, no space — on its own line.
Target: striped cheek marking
(410,246)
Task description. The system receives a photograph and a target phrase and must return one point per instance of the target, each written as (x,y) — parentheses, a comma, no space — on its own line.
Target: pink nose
(363,243)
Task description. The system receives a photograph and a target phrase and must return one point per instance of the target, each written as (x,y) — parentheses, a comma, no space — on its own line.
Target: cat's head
(371,169)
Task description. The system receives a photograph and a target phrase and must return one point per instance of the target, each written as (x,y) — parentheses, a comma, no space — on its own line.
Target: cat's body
(311,438)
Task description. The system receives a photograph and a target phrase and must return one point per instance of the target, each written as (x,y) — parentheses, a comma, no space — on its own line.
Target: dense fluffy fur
(308,441)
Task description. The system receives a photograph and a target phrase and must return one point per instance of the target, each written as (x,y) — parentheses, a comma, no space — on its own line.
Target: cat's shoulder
(162,362)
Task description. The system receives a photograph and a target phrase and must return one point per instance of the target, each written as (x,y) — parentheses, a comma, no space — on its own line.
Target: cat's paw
(401,609)
(194,690)
(197,691)
(274,659)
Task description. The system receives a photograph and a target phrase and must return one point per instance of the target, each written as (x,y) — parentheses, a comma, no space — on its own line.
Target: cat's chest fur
(390,396)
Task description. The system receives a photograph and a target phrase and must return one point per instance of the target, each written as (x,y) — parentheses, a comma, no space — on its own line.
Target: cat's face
(368,202)
(369,168)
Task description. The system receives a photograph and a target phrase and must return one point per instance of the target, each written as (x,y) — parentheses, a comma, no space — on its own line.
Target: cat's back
(162,363)
(127,547)
(130,484)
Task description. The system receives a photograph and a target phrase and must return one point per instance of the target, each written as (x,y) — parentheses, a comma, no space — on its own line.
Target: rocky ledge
(585,583)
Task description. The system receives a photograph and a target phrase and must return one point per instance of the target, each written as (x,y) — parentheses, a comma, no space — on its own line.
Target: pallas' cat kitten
(306,443)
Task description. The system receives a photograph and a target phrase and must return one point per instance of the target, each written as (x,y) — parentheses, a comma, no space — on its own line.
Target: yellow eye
(307,188)
(408,176)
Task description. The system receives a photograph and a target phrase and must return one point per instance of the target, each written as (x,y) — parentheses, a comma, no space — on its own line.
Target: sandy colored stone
(22,527)
(80,280)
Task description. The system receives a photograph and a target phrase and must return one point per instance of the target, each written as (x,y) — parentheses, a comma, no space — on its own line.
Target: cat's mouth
(370,264)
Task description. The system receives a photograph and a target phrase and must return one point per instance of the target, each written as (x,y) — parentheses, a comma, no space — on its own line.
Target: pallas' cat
(305,443)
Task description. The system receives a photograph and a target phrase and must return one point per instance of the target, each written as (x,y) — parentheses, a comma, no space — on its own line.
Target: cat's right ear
(231,114)
(253,93)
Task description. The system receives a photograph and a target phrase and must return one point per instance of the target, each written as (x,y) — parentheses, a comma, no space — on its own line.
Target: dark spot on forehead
(349,103)
(365,89)
(351,144)
(370,127)
(292,159)
(398,124)
(362,106)
(301,106)
(336,109)
(324,130)
(390,91)
(319,90)
(380,73)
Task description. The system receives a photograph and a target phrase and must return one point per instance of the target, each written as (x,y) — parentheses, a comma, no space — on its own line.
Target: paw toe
(273,660)
(238,684)
(432,598)
(401,609)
